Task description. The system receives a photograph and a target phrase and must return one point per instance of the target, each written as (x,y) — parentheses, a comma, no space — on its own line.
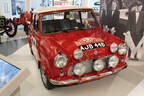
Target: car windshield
(68,21)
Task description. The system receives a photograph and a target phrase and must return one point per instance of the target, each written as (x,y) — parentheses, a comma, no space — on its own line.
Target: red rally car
(70,46)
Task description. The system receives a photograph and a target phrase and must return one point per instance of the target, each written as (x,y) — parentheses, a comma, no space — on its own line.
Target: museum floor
(129,82)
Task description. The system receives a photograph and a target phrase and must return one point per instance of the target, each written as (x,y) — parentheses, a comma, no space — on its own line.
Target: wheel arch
(41,63)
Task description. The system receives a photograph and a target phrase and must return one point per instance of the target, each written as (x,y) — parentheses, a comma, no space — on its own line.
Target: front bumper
(88,78)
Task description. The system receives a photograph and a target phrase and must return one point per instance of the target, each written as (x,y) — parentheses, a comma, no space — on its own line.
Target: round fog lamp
(78,54)
(79,69)
(99,65)
(113,61)
(122,49)
(113,47)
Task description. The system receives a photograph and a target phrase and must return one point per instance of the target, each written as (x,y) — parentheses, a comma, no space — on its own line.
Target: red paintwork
(16,20)
(90,21)
(22,20)
(48,45)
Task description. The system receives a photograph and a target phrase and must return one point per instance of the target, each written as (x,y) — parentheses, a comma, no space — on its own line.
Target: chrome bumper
(73,81)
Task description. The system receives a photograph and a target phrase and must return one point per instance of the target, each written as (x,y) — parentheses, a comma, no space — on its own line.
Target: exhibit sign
(11,77)
(63,2)
(7,71)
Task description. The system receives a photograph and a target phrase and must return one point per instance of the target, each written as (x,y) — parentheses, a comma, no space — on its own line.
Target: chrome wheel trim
(12,28)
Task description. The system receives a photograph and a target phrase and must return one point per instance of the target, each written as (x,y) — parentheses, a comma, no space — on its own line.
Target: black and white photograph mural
(43,3)
(13,4)
(18,7)
(46,3)
(40,4)
(126,19)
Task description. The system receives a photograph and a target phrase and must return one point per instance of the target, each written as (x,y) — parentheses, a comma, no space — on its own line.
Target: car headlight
(78,54)
(113,47)
(60,60)
(113,61)
(79,69)
(122,49)
(99,65)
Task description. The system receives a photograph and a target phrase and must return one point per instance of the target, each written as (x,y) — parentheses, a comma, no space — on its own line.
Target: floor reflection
(10,47)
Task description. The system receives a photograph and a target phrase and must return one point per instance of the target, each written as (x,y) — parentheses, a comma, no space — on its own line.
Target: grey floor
(9,47)
(129,82)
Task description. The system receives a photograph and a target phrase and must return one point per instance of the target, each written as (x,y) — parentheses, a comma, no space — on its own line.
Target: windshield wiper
(81,28)
(67,30)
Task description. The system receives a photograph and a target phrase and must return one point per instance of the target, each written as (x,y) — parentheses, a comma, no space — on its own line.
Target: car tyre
(12,29)
(45,81)
(31,51)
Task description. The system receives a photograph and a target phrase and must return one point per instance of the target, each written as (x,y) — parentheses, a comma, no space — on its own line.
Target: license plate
(92,46)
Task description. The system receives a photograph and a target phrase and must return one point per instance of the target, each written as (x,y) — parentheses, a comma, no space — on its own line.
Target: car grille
(88,64)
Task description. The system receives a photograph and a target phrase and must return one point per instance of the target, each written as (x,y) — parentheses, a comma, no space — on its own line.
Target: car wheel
(31,51)
(45,81)
(12,29)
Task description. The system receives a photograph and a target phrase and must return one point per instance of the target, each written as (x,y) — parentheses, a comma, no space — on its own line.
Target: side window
(89,20)
(36,23)
(76,16)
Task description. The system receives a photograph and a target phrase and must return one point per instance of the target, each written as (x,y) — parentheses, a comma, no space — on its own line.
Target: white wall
(85,3)
(5,6)
(35,4)
(27,4)
(91,4)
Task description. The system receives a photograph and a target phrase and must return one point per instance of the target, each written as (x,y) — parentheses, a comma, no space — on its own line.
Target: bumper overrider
(86,79)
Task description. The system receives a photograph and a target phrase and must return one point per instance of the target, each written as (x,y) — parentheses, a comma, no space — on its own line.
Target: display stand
(12,86)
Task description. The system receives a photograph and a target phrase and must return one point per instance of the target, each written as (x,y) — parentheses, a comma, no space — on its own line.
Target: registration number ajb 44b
(92,46)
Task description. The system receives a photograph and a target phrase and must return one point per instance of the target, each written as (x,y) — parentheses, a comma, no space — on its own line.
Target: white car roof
(58,8)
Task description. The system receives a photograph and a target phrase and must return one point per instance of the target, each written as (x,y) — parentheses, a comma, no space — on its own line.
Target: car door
(35,39)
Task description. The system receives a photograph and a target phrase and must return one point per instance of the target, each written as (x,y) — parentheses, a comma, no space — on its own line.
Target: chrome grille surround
(72,81)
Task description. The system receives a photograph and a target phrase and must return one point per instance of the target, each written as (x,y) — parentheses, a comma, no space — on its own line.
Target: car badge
(95,52)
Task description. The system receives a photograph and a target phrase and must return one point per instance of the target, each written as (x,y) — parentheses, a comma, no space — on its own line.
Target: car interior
(52,26)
